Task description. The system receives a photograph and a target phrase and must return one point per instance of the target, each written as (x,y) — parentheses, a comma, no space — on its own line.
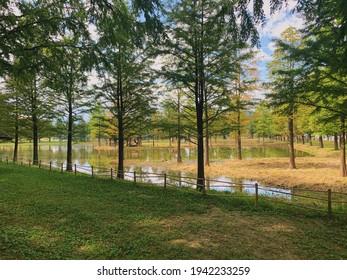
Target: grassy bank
(48,215)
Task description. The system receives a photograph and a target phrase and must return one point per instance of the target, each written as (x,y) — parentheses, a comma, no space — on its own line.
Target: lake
(88,154)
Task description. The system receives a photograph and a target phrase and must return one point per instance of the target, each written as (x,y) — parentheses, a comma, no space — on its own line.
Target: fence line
(166,180)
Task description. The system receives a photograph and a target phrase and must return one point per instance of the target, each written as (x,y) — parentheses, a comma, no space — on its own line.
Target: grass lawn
(48,215)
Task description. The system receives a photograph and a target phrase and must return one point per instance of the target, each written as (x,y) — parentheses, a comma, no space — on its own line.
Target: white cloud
(279,21)
(271,46)
(261,55)
(93,32)
(158,63)
(93,79)
(275,24)
(275,29)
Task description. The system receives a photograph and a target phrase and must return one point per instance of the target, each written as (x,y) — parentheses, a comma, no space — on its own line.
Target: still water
(147,174)
(88,154)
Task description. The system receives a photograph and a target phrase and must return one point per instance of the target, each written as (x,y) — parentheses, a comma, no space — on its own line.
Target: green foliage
(263,121)
(98,124)
(284,71)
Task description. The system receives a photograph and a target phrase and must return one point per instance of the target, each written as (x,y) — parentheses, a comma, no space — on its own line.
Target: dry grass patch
(311,172)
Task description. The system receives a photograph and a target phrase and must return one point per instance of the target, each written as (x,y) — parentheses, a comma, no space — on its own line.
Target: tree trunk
(35,140)
(120,170)
(343,170)
(179,157)
(321,145)
(303,139)
(207,146)
(199,104)
(15,151)
(34,119)
(336,142)
(16,136)
(200,133)
(69,134)
(239,148)
(310,139)
(292,164)
(120,109)
(207,143)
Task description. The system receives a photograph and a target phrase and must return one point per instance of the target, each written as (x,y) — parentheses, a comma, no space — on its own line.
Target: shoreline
(319,172)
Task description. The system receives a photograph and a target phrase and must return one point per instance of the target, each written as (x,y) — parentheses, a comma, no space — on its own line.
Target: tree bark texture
(291,143)
(343,170)
(336,142)
(321,144)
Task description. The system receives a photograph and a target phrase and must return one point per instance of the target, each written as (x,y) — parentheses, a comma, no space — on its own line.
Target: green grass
(48,215)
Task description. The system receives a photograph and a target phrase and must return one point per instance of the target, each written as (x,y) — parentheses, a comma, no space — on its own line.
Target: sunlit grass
(48,215)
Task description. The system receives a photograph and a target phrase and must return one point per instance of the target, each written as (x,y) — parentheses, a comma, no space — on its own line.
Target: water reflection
(149,174)
(88,154)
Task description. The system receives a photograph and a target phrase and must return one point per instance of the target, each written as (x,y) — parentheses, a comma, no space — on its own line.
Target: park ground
(49,215)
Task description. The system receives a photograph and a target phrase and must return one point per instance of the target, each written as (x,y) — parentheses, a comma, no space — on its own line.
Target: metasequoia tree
(203,35)
(240,94)
(124,71)
(10,110)
(284,71)
(68,81)
(323,56)
(29,32)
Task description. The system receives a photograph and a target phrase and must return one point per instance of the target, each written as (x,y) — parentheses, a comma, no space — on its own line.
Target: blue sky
(274,26)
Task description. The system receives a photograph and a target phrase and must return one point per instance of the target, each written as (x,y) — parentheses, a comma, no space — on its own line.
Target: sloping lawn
(48,215)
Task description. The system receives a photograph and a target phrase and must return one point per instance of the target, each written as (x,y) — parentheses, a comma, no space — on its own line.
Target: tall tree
(203,34)
(68,81)
(125,73)
(284,71)
(12,107)
(324,61)
(240,93)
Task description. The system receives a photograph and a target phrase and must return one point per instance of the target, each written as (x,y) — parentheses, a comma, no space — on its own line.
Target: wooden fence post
(50,166)
(165,177)
(62,167)
(111,173)
(75,169)
(134,176)
(330,212)
(256,196)
(92,171)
